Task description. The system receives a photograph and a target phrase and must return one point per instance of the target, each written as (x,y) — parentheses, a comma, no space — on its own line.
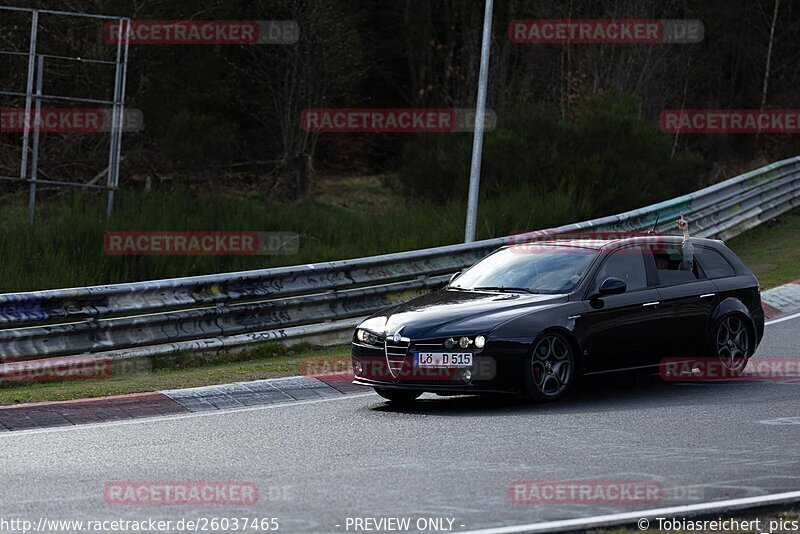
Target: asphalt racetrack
(453,459)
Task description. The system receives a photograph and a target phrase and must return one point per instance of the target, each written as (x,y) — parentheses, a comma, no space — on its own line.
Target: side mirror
(611,286)
(453,277)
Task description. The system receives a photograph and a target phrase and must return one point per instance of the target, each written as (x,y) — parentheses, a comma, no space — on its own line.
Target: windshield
(529,269)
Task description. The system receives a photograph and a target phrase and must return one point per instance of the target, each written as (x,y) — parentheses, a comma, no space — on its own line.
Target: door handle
(650,304)
(708,295)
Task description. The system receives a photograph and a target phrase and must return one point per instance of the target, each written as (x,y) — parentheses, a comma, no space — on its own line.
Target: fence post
(37,125)
(23,171)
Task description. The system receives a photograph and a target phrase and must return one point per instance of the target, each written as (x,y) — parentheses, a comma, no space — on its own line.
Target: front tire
(398,396)
(549,368)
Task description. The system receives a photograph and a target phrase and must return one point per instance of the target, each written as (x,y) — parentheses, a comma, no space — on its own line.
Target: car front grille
(396,353)
(430,344)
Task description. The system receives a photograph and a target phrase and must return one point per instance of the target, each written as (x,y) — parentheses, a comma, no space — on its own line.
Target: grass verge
(772,250)
(183,371)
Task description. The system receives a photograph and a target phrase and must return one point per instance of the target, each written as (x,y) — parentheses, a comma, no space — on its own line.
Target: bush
(604,151)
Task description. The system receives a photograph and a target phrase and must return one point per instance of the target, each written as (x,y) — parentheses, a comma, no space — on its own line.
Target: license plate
(443,359)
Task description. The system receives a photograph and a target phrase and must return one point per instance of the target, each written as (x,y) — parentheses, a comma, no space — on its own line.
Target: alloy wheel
(551,366)
(733,343)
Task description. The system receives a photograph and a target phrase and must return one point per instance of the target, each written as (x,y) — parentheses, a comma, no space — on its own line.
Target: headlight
(465,342)
(367,337)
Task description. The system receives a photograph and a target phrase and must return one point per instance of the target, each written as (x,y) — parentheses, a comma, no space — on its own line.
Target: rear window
(713,263)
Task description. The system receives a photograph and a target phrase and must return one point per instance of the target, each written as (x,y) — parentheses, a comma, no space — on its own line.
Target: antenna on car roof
(655,224)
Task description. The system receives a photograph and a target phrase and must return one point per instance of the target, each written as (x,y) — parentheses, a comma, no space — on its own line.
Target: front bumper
(492,371)
(440,388)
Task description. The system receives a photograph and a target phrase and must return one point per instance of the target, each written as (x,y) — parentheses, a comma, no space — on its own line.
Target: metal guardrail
(225,310)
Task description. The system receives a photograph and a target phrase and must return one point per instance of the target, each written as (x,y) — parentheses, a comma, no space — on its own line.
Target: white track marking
(631,517)
(782,319)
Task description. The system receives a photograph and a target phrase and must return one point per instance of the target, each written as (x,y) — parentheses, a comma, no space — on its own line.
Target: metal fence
(308,301)
(29,172)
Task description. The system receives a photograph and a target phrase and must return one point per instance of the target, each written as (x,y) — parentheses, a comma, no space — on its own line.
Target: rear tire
(732,343)
(398,396)
(549,368)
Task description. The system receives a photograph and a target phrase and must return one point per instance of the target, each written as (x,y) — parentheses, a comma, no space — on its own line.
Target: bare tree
(319,70)
(769,54)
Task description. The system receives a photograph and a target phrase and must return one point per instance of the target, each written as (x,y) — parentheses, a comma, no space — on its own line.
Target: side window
(713,263)
(671,266)
(626,264)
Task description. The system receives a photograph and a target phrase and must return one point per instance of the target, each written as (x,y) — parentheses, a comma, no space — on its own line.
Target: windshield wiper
(504,288)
